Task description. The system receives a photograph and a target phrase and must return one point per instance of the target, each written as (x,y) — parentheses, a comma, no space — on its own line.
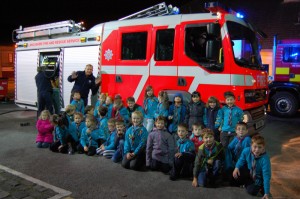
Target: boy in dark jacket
(208,161)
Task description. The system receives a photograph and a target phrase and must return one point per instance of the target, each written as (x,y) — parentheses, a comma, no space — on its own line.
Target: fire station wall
(75,59)
(25,77)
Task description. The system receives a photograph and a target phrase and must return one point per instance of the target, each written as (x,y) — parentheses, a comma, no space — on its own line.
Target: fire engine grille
(255,95)
(257,113)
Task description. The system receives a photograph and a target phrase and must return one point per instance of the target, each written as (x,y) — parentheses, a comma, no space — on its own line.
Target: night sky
(37,12)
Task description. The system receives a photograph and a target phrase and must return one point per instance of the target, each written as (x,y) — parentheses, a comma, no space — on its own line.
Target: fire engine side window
(164,45)
(195,42)
(291,54)
(134,46)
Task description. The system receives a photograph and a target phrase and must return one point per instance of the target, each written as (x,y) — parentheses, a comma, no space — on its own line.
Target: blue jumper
(263,168)
(223,118)
(60,134)
(89,139)
(150,105)
(79,105)
(161,110)
(110,142)
(185,146)
(135,139)
(103,126)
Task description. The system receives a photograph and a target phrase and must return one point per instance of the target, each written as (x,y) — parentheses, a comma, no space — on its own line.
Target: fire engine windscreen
(203,45)
(245,46)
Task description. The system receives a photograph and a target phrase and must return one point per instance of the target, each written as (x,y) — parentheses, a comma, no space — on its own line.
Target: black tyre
(283,104)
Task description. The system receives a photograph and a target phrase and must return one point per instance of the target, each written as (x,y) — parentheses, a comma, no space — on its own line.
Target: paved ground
(51,175)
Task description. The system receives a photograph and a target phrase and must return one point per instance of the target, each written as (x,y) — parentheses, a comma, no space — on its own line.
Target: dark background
(271,16)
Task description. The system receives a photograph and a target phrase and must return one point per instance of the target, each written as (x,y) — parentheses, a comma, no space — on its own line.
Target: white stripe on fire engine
(200,76)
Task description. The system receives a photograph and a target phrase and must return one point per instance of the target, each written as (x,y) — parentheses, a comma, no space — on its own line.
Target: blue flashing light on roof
(239,15)
(173,10)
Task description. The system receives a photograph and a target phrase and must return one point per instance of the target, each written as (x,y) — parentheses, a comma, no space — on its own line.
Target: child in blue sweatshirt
(119,141)
(177,113)
(90,136)
(227,118)
(135,143)
(100,102)
(60,132)
(107,149)
(184,155)
(236,146)
(256,176)
(150,105)
(78,102)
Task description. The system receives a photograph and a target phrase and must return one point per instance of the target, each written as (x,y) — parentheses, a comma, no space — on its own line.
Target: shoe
(70,151)
(173,178)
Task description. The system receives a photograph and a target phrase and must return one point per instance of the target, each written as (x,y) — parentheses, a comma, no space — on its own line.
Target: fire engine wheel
(283,104)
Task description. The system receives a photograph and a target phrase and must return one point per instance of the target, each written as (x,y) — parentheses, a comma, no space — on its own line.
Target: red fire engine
(284,96)
(209,52)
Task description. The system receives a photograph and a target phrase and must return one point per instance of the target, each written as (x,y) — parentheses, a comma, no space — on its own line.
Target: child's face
(88,123)
(195,98)
(77,119)
(136,120)
(182,132)
(212,104)
(120,129)
(241,131)
(108,100)
(197,130)
(76,96)
(102,99)
(160,124)
(91,112)
(208,139)
(257,149)
(111,127)
(177,100)
(150,93)
(44,116)
(130,104)
(230,101)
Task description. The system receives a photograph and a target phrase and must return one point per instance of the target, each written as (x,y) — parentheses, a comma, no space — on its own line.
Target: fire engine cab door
(133,60)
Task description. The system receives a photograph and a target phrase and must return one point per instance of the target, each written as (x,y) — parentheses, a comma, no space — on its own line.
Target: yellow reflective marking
(296,79)
(282,71)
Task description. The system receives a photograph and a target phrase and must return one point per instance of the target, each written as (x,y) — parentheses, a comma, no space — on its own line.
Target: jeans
(118,155)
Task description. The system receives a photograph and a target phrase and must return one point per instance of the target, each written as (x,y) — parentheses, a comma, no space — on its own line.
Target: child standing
(132,106)
(109,105)
(236,146)
(150,105)
(163,105)
(177,113)
(195,111)
(102,120)
(100,102)
(160,147)
(227,118)
(196,136)
(78,102)
(210,115)
(89,137)
(44,137)
(208,161)
(119,141)
(60,133)
(257,175)
(135,143)
(107,149)
(184,155)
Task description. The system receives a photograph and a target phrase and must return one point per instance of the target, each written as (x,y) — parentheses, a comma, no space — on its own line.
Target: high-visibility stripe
(282,71)
(295,79)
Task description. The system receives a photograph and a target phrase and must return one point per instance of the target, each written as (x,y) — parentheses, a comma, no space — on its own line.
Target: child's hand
(195,183)
(236,173)
(129,156)
(88,130)
(60,147)
(170,117)
(210,161)
(86,149)
(178,155)
(102,147)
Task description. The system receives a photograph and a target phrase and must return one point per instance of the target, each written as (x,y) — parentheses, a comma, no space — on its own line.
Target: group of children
(204,141)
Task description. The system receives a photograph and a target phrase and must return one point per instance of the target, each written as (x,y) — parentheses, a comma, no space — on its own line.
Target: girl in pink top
(44,137)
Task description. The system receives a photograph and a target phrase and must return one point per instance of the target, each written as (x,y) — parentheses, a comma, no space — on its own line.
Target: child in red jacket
(44,137)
